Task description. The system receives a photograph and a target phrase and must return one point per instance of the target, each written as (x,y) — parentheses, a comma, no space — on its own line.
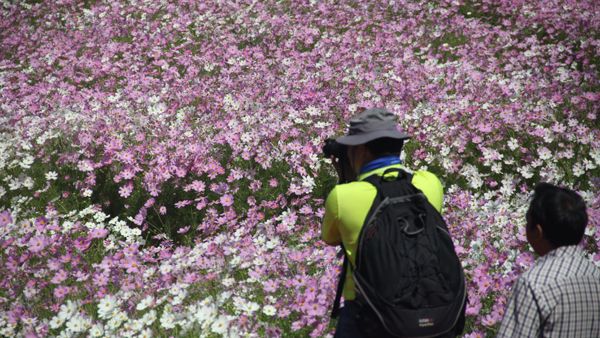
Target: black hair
(560,212)
(385,146)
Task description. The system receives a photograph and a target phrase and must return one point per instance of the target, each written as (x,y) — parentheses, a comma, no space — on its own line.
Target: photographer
(372,146)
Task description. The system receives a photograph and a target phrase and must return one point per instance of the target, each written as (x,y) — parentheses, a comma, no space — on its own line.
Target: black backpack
(409,280)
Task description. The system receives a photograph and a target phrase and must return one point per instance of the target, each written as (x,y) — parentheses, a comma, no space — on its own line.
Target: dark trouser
(346,325)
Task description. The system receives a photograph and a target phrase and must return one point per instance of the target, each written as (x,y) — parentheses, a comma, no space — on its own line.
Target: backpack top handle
(402,175)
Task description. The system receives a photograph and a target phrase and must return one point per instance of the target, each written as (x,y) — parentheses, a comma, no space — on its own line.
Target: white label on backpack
(425,322)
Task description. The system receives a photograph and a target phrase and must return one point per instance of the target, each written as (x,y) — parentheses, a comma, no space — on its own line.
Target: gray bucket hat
(372,124)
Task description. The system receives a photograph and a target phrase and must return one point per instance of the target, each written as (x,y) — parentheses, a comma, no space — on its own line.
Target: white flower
(145,303)
(590,229)
(269,310)
(106,306)
(2,191)
(153,99)
(14,184)
(145,333)
(251,307)
(76,324)
(578,170)
(544,153)
(497,167)
(27,161)
(273,242)
(87,193)
(312,111)
(308,182)
(589,165)
(168,320)
(166,269)
(513,144)
(220,325)
(160,108)
(207,313)
(27,182)
(113,323)
(97,330)
(526,171)
(149,317)
(57,322)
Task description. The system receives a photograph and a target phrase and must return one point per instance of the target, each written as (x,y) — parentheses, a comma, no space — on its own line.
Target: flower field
(161,172)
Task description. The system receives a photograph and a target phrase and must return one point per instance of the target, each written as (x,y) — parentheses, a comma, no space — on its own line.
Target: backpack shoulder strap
(387,190)
(335,312)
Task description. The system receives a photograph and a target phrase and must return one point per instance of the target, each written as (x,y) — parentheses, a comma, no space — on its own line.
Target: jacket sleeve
(330,231)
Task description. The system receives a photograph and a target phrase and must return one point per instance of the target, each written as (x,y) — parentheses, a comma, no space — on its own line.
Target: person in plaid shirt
(560,295)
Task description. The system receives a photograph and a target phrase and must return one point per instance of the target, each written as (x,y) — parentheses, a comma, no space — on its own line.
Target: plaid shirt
(558,297)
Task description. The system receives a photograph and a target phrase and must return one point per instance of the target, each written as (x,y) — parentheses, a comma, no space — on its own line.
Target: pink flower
(273,182)
(125,191)
(270,285)
(591,96)
(60,277)
(98,233)
(131,264)
(525,259)
(65,194)
(182,204)
(162,210)
(306,210)
(473,306)
(38,243)
(484,127)
(61,291)
(40,223)
(5,218)
(183,230)
(149,203)
(226,200)
(368,104)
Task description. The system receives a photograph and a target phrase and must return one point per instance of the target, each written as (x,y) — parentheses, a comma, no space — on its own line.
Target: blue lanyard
(380,163)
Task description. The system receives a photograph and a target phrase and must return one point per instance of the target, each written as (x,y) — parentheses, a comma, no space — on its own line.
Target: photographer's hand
(344,171)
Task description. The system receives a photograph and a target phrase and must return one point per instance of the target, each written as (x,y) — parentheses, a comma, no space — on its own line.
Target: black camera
(339,151)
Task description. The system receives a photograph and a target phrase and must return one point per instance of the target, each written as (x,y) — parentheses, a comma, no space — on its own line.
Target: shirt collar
(563,251)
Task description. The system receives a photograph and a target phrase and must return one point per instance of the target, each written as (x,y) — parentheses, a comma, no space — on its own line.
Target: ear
(539,232)
(364,151)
